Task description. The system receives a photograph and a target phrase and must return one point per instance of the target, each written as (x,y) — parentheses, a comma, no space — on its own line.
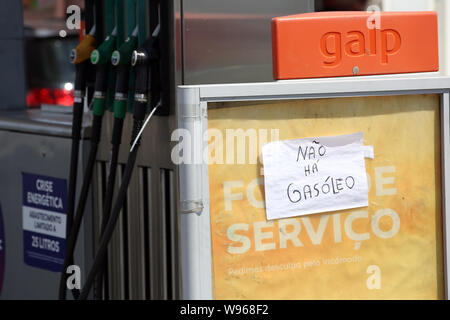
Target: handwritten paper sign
(315,175)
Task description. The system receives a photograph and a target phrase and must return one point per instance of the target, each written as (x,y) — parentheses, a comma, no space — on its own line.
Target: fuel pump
(121,59)
(142,59)
(101,58)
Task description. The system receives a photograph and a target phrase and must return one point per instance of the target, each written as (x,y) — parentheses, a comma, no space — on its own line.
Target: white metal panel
(194,201)
(445,140)
(196,240)
(410,5)
(320,88)
(443,9)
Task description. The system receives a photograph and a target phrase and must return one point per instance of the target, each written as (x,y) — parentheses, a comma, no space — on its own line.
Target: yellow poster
(389,250)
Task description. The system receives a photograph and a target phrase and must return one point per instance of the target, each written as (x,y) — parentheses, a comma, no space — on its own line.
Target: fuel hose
(121,59)
(141,60)
(99,57)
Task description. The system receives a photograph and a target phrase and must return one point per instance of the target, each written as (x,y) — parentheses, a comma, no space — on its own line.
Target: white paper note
(315,175)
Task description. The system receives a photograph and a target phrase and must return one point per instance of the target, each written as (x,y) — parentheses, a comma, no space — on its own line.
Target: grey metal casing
(11,20)
(39,143)
(230,41)
(12,60)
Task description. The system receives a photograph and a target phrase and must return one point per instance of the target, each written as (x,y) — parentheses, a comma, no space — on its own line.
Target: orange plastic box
(334,44)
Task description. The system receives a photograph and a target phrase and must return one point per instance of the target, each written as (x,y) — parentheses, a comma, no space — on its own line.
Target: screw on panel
(355,70)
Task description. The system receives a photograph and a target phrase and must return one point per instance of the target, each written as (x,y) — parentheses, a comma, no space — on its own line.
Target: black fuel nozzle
(143,59)
(79,57)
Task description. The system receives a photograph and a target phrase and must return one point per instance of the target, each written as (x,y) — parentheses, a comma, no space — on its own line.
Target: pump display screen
(392,249)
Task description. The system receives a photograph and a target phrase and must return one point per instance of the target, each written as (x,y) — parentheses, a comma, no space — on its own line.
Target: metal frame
(192,115)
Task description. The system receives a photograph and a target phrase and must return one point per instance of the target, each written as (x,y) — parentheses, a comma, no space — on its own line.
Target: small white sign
(44,222)
(315,175)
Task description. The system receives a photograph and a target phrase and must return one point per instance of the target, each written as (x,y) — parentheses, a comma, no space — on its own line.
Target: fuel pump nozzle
(99,57)
(141,59)
(121,59)
(84,49)
(79,57)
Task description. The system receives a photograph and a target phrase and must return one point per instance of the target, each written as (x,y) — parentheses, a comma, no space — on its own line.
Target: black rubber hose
(140,59)
(77,121)
(122,80)
(80,84)
(107,203)
(118,204)
(73,234)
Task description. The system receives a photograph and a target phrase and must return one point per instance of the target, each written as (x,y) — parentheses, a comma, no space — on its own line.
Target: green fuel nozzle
(121,59)
(101,58)
(102,54)
(122,56)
